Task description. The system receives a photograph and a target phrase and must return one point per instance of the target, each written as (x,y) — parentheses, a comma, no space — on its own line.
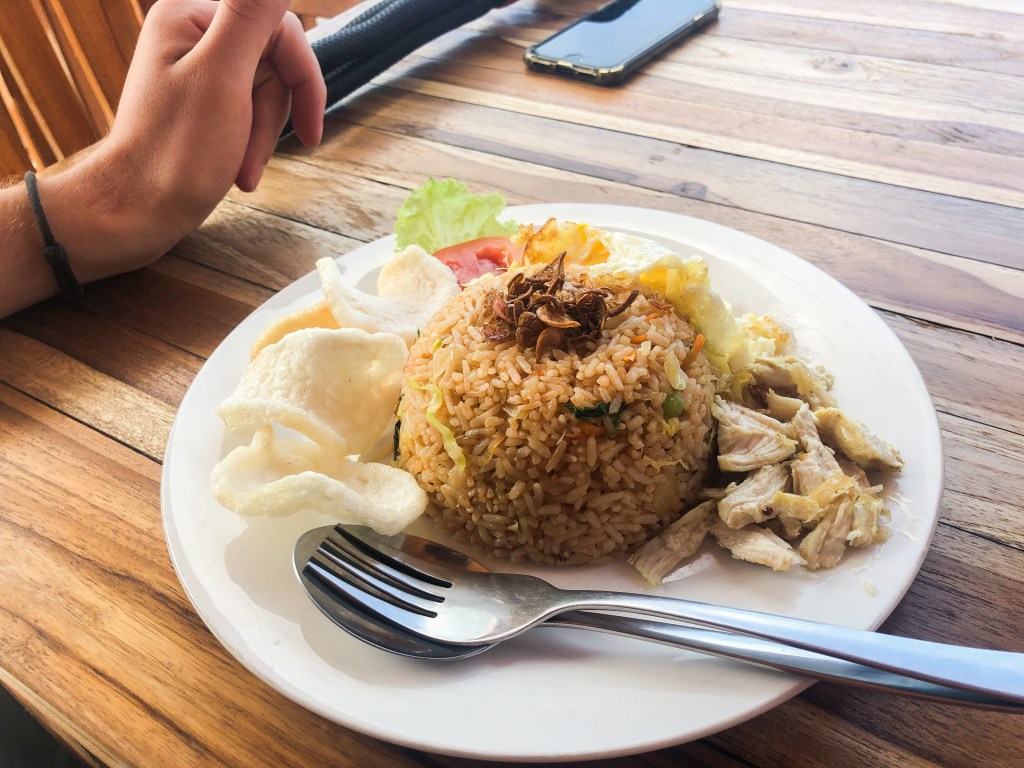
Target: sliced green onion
(601,412)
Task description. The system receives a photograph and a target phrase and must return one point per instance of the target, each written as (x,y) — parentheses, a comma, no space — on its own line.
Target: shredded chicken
(748,439)
(793,513)
(751,501)
(806,432)
(659,557)
(855,441)
(807,473)
(756,545)
(805,482)
(836,488)
(801,508)
(824,546)
(781,407)
(867,528)
(791,376)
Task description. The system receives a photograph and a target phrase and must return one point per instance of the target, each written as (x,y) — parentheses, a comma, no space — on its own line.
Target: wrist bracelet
(54,252)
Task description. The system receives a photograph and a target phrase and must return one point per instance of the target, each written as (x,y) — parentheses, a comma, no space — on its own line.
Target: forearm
(108,223)
(25,277)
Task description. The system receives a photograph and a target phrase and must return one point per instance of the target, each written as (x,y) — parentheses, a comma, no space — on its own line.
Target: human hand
(207,95)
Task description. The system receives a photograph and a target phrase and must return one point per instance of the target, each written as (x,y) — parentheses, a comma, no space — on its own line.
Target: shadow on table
(24,743)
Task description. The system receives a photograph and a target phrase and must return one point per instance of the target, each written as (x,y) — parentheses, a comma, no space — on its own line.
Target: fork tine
(349,557)
(343,586)
(347,562)
(405,562)
(339,574)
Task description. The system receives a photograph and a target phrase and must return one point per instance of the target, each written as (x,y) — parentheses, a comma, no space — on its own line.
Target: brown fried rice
(543,481)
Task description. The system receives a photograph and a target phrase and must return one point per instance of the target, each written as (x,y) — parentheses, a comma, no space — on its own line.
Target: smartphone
(613,42)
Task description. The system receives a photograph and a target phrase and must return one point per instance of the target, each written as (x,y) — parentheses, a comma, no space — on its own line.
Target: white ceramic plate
(558,694)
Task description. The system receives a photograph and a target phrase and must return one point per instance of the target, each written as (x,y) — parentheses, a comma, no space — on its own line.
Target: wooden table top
(882,142)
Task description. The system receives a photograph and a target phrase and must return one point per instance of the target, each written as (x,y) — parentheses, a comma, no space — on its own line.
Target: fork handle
(783,657)
(996,673)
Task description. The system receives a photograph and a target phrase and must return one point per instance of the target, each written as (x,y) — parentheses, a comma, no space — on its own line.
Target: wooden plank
(960,90)
(949,599)
(1007,6)
(321,8)
(110,348)
(953,291)
(950,49)
(307,193)
(149,685)
(214,281)
(956,582)
(851,205)
(116,409)
(968,375)
(696,754)
(817,88)
(985,466)
(151,302)
(993,98)
(676,112)
(835,90)
(807,736)
(942,169)
(922,15)
(269,250)
(30,138)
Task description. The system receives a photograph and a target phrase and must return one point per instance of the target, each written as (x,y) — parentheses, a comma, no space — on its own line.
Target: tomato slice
(474,258)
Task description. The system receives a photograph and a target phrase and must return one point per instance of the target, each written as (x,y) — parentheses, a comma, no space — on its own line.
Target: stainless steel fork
(460,607)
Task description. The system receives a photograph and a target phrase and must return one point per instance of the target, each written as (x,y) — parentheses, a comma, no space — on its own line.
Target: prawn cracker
(278,477)
(411,288)
(314,381)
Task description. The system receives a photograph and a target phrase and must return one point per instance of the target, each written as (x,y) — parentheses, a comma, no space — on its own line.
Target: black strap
(54,252)
(383,35)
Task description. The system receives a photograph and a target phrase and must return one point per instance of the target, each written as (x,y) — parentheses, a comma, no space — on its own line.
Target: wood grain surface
(882,142)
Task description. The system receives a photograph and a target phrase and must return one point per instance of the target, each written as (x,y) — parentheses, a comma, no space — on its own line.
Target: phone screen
(621,31)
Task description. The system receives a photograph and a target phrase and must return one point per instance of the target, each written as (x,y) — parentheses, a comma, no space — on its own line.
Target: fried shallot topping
(542,311)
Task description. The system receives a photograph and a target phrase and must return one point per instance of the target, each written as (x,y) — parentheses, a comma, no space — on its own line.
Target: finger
(240,32)
(270,106)
(175,27)
(296,65)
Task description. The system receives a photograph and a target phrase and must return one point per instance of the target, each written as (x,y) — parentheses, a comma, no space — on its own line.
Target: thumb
(241,30)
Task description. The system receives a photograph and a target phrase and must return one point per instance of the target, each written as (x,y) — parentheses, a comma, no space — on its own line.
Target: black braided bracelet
(54,252)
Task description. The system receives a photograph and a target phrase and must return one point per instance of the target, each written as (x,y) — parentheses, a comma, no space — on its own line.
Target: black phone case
(618,73)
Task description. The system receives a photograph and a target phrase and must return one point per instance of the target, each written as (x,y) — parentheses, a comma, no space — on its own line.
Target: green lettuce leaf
(444,212)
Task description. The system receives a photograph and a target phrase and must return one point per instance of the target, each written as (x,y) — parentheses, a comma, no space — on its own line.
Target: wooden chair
(62,67)
(309,11)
